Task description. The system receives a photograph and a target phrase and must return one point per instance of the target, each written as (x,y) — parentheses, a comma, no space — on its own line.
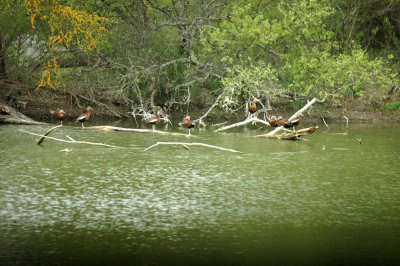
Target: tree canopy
(166,52)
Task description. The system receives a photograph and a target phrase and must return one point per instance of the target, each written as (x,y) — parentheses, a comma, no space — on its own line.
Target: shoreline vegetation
(215,61)
(40,104)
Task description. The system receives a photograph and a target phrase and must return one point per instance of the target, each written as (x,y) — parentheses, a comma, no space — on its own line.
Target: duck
(85,116)
(294,122)
(272,121)
(280,121)
(155,119)
(60,114)
(312,129)
(187,123)
(286,124)
(252,107)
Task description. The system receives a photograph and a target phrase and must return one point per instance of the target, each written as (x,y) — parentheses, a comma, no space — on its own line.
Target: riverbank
(38,105)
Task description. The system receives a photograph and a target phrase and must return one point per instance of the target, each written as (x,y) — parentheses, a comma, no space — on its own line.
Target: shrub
(395,106)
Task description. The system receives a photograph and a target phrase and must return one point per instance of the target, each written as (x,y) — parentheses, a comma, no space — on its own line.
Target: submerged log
(9,115)
(293,135)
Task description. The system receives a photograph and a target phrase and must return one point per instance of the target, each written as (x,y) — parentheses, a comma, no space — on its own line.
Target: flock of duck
(84,117)
(277,121)
(153,120)
(187,122)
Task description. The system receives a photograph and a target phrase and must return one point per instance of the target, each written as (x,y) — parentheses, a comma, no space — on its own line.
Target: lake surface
(327,200)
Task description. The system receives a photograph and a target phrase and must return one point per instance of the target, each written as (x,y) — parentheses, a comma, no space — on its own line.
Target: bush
(395,106)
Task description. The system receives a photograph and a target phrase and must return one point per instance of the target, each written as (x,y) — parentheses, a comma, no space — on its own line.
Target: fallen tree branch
(138,130)
(186,146)
(10,115)
(245,122)
(71,141)
(293,135)
(295,115)
(47,133)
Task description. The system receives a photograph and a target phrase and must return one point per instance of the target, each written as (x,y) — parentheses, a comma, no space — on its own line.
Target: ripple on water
(215,194)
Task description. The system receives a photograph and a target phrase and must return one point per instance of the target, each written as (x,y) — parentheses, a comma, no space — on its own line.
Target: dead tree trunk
(9,115)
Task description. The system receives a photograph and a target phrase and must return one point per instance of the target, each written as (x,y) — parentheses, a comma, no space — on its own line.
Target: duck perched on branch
(286,124)
(85,116)
(252,107)
(272,121)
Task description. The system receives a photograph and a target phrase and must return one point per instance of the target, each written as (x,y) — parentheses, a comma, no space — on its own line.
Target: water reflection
(170,205)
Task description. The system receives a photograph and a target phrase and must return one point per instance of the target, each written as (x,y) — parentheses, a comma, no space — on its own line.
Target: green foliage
(298,46)
(247,82)
(325,75)
(395,106)
(243,48)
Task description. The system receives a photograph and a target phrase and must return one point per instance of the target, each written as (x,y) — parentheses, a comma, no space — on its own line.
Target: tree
(63,26)
(68,28)
(14,25)
(294,40)
(156,49)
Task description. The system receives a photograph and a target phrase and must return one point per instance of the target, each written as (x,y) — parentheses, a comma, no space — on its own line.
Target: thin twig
(347,120)
(323,120)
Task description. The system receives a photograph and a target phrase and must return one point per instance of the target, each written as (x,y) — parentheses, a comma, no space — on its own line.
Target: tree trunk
(9,115)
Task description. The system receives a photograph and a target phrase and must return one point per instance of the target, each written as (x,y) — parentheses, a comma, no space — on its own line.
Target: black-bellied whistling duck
(187,123)
(85,116)
(155,119)
(61,115)
(252,107)
(287,124)
(294,122)
(312,129)
(280,121)
(272,121)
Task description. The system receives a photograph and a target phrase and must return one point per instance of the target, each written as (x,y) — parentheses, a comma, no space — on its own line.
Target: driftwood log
(9,115)
(293,135)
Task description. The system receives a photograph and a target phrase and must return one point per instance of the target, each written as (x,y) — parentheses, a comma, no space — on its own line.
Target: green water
(327,200)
